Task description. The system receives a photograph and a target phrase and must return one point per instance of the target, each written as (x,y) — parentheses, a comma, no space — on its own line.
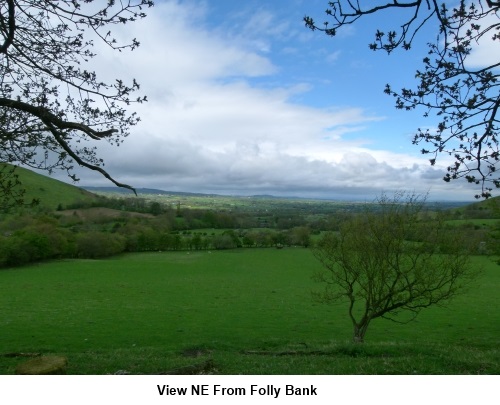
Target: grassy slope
(51,192)
(250,311)
(489,208)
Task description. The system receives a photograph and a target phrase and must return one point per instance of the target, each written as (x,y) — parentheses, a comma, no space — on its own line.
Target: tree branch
(46,115)
(8,29)
(55,125)
(81,162)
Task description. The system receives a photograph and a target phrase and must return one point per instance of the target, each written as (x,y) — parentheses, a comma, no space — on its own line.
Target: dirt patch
(195,352)
(206,367)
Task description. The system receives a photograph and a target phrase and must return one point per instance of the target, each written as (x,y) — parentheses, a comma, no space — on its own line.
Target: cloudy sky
(243,99)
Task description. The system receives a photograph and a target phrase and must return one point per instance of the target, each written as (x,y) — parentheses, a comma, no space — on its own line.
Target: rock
(43,365)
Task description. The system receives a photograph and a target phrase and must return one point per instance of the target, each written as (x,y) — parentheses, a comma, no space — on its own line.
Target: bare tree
(387,261)
(464,98)
(51,101)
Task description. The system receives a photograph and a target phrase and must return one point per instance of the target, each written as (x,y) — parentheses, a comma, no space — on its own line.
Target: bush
(96,245)
(13,251)
(35,243)
(224,242)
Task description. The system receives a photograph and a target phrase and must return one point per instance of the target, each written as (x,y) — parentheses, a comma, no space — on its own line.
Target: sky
(245,100)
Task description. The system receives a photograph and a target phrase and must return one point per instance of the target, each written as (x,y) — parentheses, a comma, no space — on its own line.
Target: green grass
(49,191)
(249,311)
(482,223)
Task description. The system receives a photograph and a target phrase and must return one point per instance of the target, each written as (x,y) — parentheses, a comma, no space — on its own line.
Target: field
(246,311)
(50,192)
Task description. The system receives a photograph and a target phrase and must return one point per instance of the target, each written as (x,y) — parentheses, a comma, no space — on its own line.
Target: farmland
(244,311)
(178,283)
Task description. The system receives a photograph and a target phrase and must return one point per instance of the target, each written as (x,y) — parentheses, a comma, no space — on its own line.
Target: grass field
(237,312)
(49,191)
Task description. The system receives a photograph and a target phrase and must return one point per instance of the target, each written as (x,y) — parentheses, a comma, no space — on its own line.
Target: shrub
(95,245)
(223,242)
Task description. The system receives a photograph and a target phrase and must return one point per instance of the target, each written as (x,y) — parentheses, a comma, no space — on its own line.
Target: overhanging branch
(55,125)
(9,28)
(55,132)
(45,114)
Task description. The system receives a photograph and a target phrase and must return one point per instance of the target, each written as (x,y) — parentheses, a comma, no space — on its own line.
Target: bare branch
(463,100)
(49,100)
(8,29)
(47,116)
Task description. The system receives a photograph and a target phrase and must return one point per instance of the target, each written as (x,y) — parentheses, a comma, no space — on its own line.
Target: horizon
(144,190)
(243,98)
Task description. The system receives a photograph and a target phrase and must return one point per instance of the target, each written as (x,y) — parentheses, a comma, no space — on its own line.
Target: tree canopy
(388,262)
(52,104)
(463,96)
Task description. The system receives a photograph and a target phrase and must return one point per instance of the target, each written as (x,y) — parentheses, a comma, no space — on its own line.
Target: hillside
(145,191)
(51,193)
(485,209)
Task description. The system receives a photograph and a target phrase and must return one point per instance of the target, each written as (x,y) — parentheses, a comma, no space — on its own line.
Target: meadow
(242,311)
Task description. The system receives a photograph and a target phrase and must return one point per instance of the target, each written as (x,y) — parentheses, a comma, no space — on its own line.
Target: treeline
(112,226)
(25,239)
(183,218)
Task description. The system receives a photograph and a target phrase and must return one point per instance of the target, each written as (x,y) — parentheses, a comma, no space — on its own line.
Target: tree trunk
(360,331)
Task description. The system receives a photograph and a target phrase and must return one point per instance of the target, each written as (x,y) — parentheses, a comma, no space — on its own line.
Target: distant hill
(436,205)
(154,191)
(51,192)
(119,190)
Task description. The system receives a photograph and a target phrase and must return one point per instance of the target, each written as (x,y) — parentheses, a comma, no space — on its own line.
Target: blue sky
(244,99)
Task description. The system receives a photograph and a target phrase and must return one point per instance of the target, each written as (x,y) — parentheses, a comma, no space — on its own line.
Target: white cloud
(207,127)
(485,52)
